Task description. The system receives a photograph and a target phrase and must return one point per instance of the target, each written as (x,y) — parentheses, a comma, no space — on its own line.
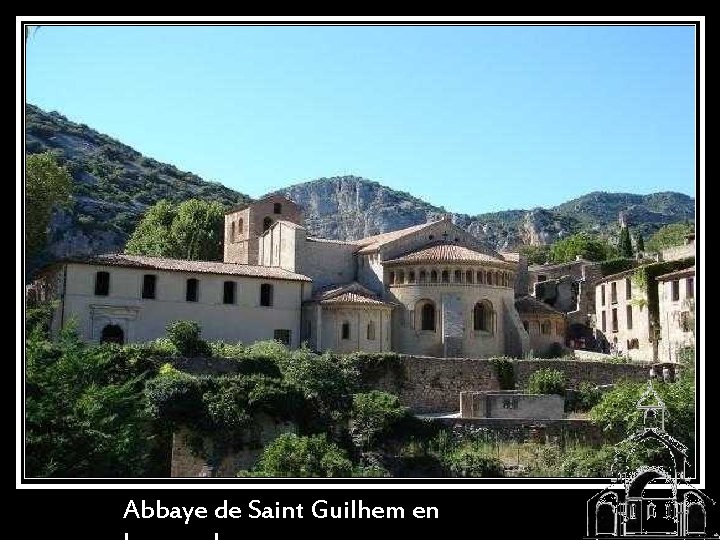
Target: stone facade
(511,404)
(434,384)
(546,326)
(622,317)
(676,293)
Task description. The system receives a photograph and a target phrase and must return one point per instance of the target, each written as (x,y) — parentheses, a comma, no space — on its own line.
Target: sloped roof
(180,265)
(442,252)
(371,243)
(686,272)
(530,304)
(350,293)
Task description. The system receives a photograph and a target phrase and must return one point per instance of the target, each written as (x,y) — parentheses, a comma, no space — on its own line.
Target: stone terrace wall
(434,384)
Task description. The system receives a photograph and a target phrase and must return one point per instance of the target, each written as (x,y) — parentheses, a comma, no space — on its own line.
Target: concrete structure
(129,298)
(622,318)
(545,326)
(676,294)
(511,404)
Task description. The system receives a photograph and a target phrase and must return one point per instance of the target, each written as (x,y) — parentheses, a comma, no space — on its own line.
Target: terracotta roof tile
(686,272)
(352,298)
(446,252)
(350,293)
(179,265)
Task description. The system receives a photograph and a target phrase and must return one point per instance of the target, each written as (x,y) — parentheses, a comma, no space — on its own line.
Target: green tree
(47,186)
(625,244)
(587,247)
(373,414)
(536,254)
(192,230)
(547,381)
(292,456)
(669,236)
(640,243)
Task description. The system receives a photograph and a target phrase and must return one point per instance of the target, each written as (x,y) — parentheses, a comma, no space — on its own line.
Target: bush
(185,336)
(373,415)
(582,399)
(292,456)
(467,462)
(505,373)
(547,381)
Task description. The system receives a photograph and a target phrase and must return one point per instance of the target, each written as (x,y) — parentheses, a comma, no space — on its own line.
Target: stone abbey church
(431,289)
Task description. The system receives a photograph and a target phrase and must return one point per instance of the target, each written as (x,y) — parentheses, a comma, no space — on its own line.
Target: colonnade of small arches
(449,275)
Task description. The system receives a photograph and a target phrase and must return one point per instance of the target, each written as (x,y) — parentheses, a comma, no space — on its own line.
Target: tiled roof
(371,243)
(619,275)
(510,255)
(350,293)
(445,252)
(530,304)
(687,272)
(330,241)
(179,265)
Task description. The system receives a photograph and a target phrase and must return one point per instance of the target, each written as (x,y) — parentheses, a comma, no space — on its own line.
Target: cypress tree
(625,245)
(640,243)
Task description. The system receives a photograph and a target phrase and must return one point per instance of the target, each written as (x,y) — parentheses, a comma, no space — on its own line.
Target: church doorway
(605,522)
(112,333)
(694,516)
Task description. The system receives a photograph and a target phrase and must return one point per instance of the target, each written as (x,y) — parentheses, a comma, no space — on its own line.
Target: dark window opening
(277,208)
(675,287)
(469,276)
(283,336)
(391,277)
(267,223)
(602,295)
(229,292)
(690,288)
(191,290)
(458,276)
(433,276)
(614,320)
(427,317)
(345,330)
(423,276)
(411,277)
(482,317)
(148,287)
(545,327)
(526,325)
(112,333)
(445,276)
(480,277)
(603,325)
(542,277)
(266,294)
(102,283)
(628,316)
(613,292)
(628,289)
(371,331)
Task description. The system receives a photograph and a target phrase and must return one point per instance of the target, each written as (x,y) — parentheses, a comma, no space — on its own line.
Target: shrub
(293,456)
(374,414)
(505,372)
(582,399)
(468,462)
(547,381)
(185,336)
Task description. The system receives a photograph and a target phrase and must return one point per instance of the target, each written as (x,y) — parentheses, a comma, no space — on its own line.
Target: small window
(371,331)
(277,208)
(423,276)
(690,288)
(483,317)
(266,294)
(614,320)
(603,325)
(102,283)
(469,276)
(401,277)
(628,316)
(267,223)
(240,228)
(431,237)
(628,289)
(458,276)
(542,277)
(229,292)
(411,277)
(602,295)
(191,290)
(148,287)
(675,289)
(345,330)
(545,327)
(391,278)
(480,277)
(433,276)
(427,317)
(613,292)
(283,336)
(232,231)
(445,276)
(526,326)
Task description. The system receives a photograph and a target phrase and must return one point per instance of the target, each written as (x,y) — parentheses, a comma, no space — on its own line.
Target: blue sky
(472,118)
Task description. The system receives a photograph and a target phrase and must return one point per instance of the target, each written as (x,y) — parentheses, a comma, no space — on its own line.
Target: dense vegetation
(669,236)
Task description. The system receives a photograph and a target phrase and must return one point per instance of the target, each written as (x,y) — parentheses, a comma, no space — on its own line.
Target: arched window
(423,276)
(232,231)
(345,330)
(488,278)
(427,316)
(445,276)
(545,327)
(481,276)
(277,208)
(497,278)
(469,276)
(433,276)
(240,228)
(458,276)
(112,333)
(371,331)
(411,277)
(267,223)
(391,277)
(401,277)
(483,317)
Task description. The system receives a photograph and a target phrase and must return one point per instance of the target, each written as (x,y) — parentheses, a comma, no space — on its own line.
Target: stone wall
(434,384)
